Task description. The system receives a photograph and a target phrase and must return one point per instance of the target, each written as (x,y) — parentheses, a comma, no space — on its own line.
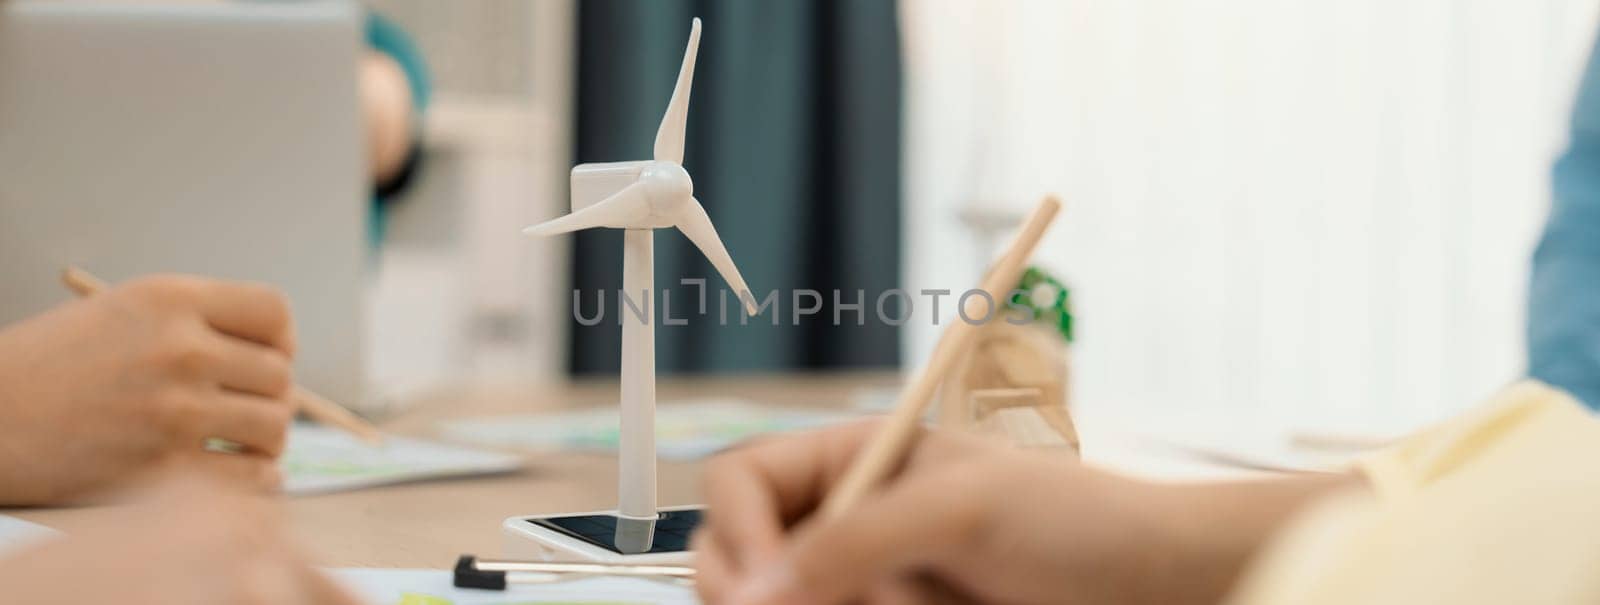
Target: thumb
(910,524)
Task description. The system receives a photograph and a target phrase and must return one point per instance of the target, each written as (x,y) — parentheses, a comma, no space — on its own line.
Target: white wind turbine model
(641,196)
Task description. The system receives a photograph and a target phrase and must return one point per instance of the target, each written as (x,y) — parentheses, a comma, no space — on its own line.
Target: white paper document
(16,534)
(685,430)
(321,459)
(432,587)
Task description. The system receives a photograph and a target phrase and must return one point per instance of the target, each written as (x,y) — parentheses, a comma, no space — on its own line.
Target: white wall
(459,293)
(1279,208)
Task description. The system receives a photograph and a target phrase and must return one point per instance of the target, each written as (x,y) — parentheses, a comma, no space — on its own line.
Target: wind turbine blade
(629,207)
(669,137)
(697,227)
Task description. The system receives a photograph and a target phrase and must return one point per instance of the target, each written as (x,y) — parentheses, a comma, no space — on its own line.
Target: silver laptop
(218,139)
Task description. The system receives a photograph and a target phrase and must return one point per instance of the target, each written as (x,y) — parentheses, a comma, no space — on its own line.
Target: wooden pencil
(317,407)
(897,435)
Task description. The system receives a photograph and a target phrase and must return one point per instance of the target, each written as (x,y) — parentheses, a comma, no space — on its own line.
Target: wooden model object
(1011,383)
(888,447)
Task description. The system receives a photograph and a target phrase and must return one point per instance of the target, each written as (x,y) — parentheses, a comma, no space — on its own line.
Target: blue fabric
(387,37)
(1564,294)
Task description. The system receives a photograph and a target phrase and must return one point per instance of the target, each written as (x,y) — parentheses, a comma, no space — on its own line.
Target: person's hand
(191,542)
(964,521)
(967,520)
(134,380)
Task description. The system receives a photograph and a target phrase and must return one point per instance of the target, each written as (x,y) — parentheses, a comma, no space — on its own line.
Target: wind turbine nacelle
(597,181)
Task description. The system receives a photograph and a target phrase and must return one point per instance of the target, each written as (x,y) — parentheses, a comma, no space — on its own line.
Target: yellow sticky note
(412,598)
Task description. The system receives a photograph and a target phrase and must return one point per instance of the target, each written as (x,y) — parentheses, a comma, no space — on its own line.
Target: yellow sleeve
(1527,419)
(1499,505)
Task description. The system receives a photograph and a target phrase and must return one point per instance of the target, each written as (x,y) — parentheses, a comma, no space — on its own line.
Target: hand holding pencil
(963,520)
(888,511)
(314,405)
(138,381)
(817,486)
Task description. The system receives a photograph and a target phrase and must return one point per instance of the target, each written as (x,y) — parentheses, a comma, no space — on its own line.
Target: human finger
(252,311)
(252,473)
(713,574)
(912,523)
(250,367)
(753,492)
(319,589)
(258,423)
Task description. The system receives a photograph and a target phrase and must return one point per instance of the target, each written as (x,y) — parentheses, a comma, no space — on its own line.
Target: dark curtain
(794,147)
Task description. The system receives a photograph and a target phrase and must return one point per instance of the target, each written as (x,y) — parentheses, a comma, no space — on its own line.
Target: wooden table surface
(428,524)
